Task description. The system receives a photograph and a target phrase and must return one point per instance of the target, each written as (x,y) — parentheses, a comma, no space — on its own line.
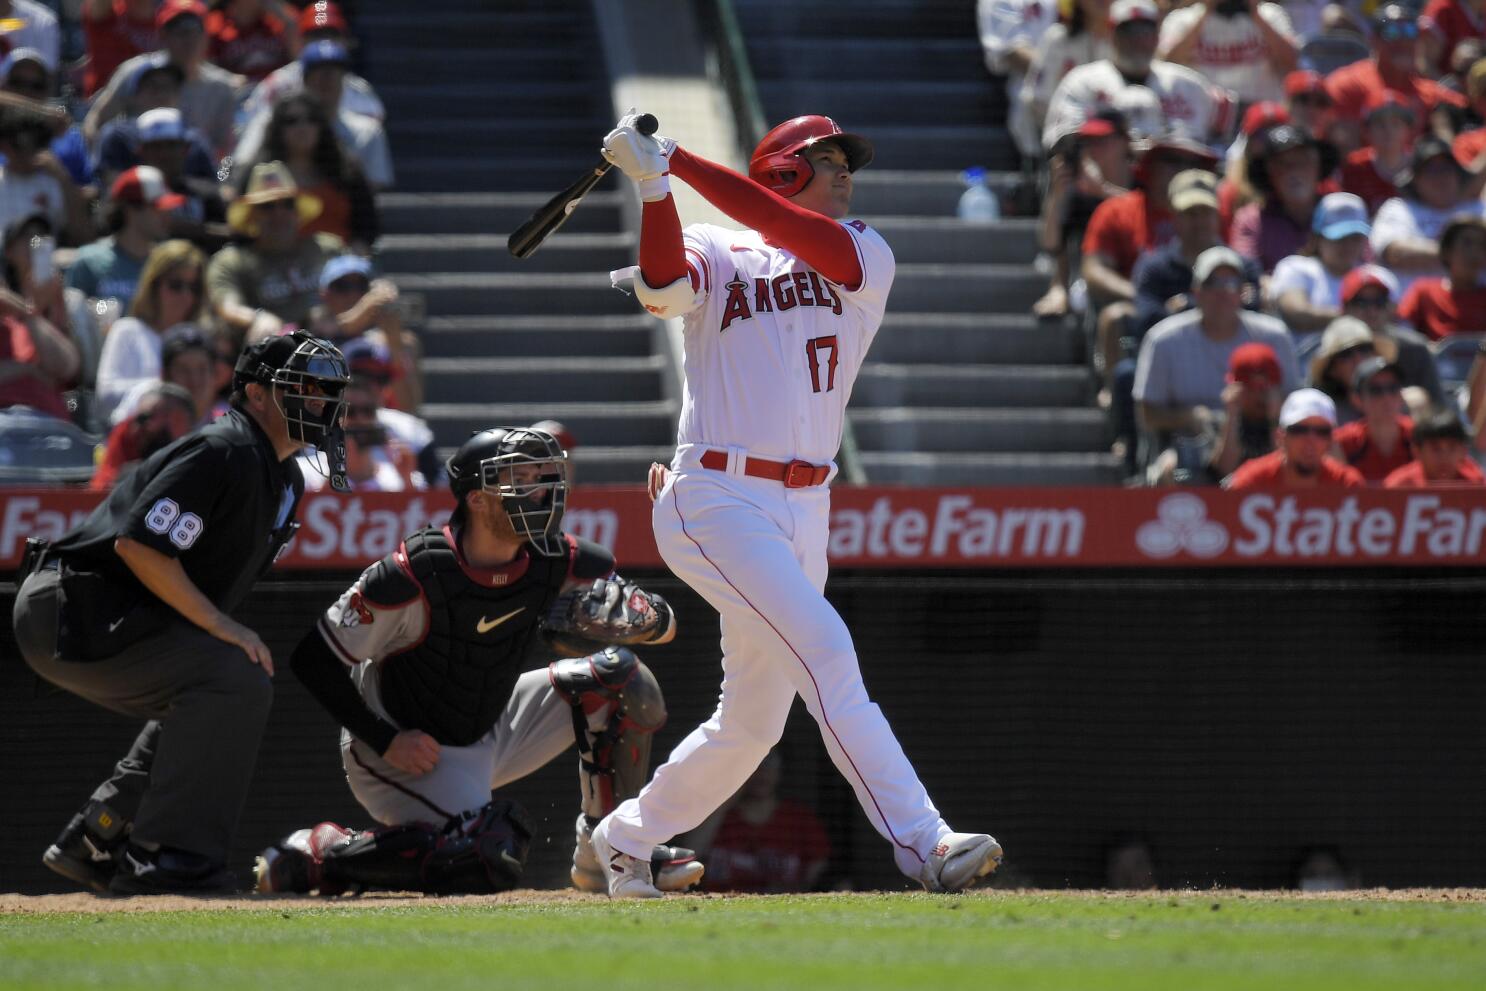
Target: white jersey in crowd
(1057,55)
(1189,102)
(1405,219)
(773,351)
(1231,51)
(1005,25)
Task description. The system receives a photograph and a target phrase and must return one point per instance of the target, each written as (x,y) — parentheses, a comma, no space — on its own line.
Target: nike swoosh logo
(116,623)
(486,625)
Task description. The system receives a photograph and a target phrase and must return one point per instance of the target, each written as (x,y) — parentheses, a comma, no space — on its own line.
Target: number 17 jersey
(772,352)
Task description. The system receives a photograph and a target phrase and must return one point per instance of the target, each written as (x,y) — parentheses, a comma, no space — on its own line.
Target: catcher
(424,663)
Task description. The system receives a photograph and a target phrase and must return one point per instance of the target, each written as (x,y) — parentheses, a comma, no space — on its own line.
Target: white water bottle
(978,204)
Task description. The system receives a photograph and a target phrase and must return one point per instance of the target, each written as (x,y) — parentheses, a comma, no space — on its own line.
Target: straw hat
(268,183)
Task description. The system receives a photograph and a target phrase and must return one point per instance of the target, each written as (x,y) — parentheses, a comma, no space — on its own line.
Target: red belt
(794,474)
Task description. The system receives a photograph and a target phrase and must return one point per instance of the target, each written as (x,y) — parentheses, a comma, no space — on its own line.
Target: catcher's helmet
(778,163)
(485,462)
(304,368)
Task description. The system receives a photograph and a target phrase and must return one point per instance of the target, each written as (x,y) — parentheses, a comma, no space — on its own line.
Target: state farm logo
(1181,524)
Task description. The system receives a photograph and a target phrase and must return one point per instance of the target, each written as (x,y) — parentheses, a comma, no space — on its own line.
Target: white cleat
(627,877)
(675,868)
(959,860)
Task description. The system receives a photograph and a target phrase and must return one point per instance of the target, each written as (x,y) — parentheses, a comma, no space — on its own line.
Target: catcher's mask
(533,500)
(299,369)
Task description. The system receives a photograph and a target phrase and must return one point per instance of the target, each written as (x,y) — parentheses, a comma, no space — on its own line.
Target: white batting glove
(644,158)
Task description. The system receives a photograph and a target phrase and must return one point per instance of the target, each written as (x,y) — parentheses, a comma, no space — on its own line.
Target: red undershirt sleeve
(820,241)
(662,256)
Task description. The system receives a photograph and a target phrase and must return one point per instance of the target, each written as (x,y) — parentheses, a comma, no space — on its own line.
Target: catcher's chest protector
(455,681)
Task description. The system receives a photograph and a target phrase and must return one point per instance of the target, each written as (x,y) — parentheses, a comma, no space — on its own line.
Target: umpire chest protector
(454,683)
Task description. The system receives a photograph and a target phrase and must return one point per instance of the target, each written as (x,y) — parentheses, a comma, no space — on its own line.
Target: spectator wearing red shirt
(114,32)
(1444,24)
(1308,103)
(1455,303)
(165,413)
(1382,440)
(1444,457)
(37,361)
(1470,145)
(1251,409)
(251,37)
(1372,171)
(1393,66)
(1307,422)
(1289,176)
(1370,293)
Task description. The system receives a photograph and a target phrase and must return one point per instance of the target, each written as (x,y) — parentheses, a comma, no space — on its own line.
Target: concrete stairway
(492,109)
(963,385)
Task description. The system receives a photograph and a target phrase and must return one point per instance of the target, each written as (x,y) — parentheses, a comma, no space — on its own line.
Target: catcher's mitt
(610,611)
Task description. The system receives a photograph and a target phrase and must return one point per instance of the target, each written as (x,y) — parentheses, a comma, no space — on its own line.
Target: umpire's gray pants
(535,727)
(186,778)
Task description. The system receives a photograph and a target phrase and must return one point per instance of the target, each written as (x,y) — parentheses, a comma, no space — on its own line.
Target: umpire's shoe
(675,868)
(959,860)
(169,872)
(627,877)
(88,848)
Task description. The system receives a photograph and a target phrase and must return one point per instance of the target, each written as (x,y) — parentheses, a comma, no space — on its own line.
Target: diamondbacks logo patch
(357,612)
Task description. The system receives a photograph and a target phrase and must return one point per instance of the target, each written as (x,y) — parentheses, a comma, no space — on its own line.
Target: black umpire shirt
(219,500)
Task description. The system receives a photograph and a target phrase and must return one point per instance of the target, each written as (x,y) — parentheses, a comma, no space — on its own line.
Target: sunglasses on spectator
(1376,389)
(181,285)
(1355,349)
(350,283)
(1398,31)
(1371,302)
(1226,283)
(292,121)
(1309,429)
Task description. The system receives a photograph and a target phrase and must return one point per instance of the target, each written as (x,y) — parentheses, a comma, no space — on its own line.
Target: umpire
(131,610)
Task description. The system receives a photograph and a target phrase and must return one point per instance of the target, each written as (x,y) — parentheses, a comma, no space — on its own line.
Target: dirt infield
(84,903)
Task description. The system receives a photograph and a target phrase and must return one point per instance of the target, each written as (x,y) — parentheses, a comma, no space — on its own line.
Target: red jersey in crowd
(1437,310)
(1454,22)
(1469,145)
(1360,177)
(1268,472)
(1351,85)
(113,40)
(17,347)
(1124,226)
(252,50)
(774,855)
(1361,453)
(1411,476)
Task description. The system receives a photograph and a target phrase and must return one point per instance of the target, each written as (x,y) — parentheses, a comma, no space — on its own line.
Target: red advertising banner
(891,527)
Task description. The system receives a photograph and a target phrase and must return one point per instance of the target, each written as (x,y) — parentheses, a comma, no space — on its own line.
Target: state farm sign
(890,527)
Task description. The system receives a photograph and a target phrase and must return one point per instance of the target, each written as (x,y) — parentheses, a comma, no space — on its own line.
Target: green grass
(860,942)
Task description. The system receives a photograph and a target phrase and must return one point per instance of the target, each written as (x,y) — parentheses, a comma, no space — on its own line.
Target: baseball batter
(777,321)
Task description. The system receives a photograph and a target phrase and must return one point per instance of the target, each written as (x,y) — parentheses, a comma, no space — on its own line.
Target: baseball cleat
(170,872)
(85,851)
(627,876)
(959,860)
(675,868)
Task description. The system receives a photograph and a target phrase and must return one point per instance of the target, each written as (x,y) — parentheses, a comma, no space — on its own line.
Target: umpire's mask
(300,369)
(527,470)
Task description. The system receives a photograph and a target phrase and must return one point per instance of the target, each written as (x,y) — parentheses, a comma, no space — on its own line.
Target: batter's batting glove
(644,158)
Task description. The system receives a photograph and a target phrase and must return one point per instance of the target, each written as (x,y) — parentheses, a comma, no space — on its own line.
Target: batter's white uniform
(771,355)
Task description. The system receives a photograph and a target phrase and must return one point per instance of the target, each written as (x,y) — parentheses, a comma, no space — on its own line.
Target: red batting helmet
(778,162)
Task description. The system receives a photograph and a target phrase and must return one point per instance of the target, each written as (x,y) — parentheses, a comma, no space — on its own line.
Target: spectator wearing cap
(32,180)
(1301,461)
(115,31)
(209,95)
(1444,25)
(1406,230)
(1309,105)
(156,86)
(271,278)
(1192,104)
(37,29)
(1306,288)
(1251,409)
(376,458)
(110,268)
(319,20)
(1288,177)
(165,143)
(354,304)
(1443,457)
(1010,31)
(25,73)
(410,437)
(1370,293)
(1392,67)
(1374,170)
(1086,169)
(1244,46)
(169,294)
(1081,38)
(1383,439)
(1253,141)
(251,37)
(162,415)
(1345,344)
(1455,303)
(324,65)
(1182,368)
(300,135)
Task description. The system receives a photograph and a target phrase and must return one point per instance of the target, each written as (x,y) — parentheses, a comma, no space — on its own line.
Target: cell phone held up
(42,268)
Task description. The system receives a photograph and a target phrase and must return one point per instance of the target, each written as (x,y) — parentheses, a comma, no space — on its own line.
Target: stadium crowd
(181,178)
(1270,219)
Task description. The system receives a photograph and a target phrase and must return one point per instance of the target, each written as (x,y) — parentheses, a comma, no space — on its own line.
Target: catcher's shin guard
(617,705)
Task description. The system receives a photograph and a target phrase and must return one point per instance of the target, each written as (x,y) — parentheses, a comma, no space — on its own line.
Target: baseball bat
(554,213)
